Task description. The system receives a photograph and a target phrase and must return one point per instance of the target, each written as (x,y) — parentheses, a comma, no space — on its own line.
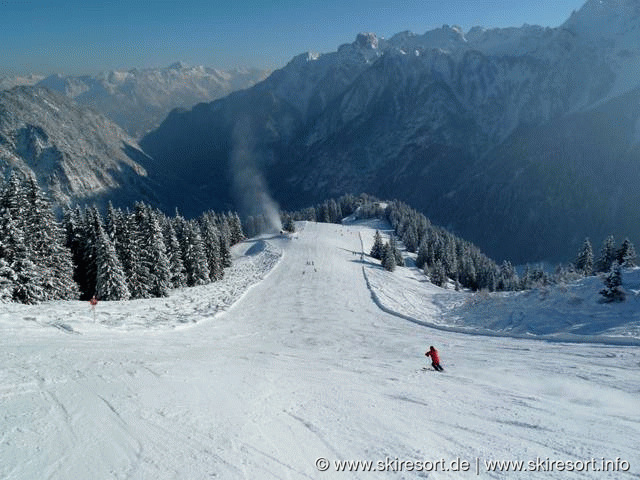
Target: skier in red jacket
(435,359)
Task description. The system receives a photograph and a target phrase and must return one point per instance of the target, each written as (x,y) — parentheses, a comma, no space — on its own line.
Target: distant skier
(435,358)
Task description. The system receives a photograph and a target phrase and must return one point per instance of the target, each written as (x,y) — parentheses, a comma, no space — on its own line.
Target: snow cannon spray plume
(249,185)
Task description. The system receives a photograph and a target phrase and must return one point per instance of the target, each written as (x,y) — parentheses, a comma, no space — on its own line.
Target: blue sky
(46,36)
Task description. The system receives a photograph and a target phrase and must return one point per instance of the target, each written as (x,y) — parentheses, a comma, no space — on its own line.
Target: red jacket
(434,356)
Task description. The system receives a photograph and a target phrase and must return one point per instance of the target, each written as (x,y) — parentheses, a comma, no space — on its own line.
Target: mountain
(77,155)
(9,82)
(139,99)
(523,140)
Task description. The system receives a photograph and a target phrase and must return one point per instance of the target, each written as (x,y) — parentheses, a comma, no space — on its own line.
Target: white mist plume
(249,185)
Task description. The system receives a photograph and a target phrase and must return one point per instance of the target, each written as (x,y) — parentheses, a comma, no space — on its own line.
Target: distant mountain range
(523,140)
(139,99)
(77,155)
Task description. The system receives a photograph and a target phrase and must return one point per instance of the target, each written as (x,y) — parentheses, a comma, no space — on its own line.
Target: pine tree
(90,231)
(378,246)
(397,256)
(178,274)
(211,240)
(46,242)
(235,225)
(388,259)
(137,268)
(22,278)
(154,254)
(421,259)
(437,274)
(607,254)
(224,245)
(193,255)
(508,279)
(626,255)
(13,198)
(7,279)
(110,280)
(613,291)
(584,261)
(410,238)
(152,265)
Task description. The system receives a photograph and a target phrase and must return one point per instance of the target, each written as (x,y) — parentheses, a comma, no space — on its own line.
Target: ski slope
(291,362)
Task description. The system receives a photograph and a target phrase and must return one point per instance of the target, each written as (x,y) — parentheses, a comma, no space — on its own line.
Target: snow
(301,363)
(568,313)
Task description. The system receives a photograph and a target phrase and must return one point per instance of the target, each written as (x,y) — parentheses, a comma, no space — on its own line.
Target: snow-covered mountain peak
(367,40)
(139,99)
(179,65)
(606,19)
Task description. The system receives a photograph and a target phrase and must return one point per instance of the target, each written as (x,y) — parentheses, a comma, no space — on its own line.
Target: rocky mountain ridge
(426,118)
(76,154)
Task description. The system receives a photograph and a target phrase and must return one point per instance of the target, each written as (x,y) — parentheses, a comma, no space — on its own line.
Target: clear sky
(73,37)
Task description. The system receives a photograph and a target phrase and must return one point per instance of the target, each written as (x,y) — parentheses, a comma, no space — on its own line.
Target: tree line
(441,254)
(446,257)
(126,255)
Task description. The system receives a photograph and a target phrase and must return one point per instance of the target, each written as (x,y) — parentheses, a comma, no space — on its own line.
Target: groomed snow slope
(304,365)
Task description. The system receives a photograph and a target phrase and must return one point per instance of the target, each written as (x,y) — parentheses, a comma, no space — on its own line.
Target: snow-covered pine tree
(156,253)
(396,252)
(613,291)
(410,238)
(378,246)
(626,254)
(110,280)
(45,239)
(118,230)
(178,275)
(388,259)
(211,240)
(153,258)
(235,225)
(7,280)
(13,198)
(508,279)
(138,276)
(421,258)
(224,243)
(466,271)
(584,260)
(111,223)
(607,254)
(193,255)
(437,274)
(23,278)
(92,224)
(450,258)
